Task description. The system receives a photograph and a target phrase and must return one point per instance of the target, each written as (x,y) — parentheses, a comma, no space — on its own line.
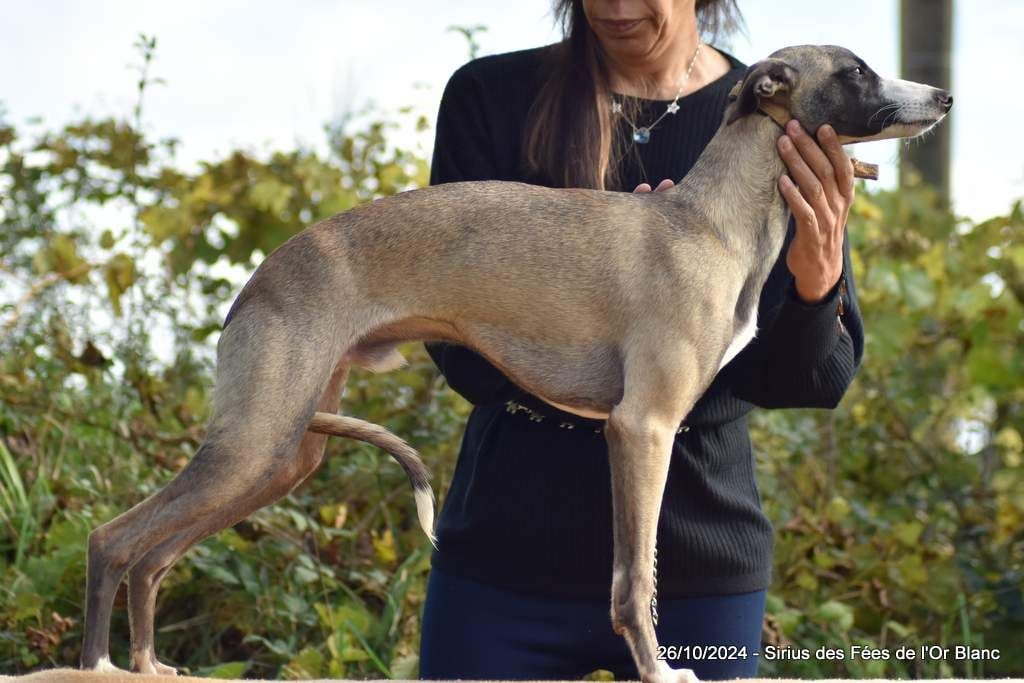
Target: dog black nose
(945,99)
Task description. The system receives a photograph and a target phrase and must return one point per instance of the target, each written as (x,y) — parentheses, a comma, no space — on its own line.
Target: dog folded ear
(770,80)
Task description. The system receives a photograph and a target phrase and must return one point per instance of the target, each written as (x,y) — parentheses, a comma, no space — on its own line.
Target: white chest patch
(742,338)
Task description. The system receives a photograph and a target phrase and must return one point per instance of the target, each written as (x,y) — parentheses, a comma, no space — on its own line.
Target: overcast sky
(260,74)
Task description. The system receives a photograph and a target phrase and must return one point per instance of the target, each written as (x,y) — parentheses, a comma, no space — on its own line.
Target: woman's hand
(662,186)
(820,201)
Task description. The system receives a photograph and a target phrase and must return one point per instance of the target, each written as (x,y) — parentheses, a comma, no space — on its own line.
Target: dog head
(819,84)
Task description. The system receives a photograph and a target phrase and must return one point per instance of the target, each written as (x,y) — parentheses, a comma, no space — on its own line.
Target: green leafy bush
(901,514)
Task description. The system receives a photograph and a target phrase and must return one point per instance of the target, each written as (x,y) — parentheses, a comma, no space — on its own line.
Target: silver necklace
(642,134)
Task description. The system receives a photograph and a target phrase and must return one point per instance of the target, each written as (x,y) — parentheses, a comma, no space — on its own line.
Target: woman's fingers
(802,211)
(841,164)
(662,186)
(810,169)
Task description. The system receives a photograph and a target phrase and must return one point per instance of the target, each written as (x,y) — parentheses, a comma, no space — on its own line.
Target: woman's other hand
(662,186)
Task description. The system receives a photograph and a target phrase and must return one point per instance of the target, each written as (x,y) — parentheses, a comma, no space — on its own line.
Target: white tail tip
(425,511)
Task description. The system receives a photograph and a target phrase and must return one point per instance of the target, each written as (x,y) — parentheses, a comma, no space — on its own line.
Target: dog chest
(745,331)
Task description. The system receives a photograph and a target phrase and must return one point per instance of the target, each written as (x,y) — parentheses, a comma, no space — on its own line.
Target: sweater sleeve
(463,150)
(807,355)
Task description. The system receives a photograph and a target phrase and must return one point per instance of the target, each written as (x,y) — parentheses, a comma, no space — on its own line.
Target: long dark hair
(569,136)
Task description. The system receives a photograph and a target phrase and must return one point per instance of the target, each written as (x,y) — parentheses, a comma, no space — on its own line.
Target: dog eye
(856,71)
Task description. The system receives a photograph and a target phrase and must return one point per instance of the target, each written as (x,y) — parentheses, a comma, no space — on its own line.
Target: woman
(520,583)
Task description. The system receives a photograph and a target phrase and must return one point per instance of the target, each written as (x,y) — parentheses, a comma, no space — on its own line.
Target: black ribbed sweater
(529,507)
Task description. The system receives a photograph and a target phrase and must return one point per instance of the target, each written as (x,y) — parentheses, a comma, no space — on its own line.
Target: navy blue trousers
(475,631)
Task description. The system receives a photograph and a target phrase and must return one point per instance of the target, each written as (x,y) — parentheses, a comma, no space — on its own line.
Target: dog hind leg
(144,578)
(268,388)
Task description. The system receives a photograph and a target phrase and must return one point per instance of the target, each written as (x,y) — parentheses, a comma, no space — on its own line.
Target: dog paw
(104,665)
(165,670)
(150,665)
(667,674)
(684,676)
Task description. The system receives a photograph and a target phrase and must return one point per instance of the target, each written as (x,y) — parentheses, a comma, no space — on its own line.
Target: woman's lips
(620,26)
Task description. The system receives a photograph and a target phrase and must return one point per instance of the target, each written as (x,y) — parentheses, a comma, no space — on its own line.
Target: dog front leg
(639,449)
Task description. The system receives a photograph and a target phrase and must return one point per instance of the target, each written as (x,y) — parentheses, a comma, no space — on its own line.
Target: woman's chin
(629,50)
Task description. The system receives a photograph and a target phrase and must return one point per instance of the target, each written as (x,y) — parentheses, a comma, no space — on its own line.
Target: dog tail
(406,455)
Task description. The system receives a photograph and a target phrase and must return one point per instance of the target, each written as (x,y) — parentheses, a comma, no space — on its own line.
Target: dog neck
(734,184)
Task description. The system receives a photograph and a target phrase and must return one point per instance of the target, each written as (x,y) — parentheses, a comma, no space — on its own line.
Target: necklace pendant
(642,136)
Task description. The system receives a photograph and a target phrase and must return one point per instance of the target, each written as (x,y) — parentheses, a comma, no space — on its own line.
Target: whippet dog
(608,305)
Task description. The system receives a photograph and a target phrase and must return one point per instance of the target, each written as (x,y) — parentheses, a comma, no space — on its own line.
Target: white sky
(261,73)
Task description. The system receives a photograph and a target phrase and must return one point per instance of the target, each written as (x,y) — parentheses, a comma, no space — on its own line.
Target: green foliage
(899,515)
(469,33)
(110,301)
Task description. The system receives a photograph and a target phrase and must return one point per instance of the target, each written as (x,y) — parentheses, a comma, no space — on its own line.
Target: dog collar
(776,113)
